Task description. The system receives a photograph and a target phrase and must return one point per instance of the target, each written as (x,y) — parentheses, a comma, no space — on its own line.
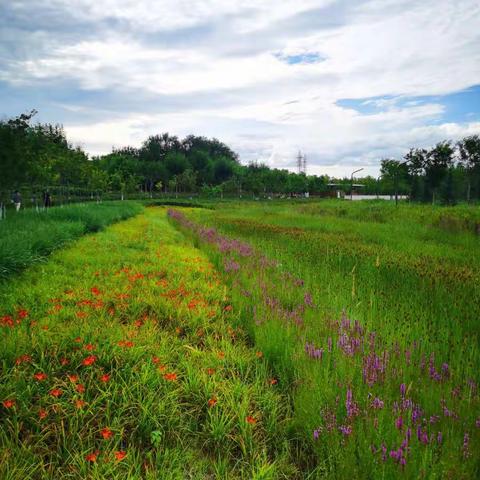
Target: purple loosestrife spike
(434,419)
(403,389)
(466,445)
(399,423)
(308,299)
(346,430)
(316,434)
(439,437)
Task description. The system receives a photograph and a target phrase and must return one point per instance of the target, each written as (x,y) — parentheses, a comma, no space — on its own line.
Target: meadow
(249,340)
(368,314)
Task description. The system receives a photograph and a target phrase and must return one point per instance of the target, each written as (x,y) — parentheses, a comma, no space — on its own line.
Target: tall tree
(469,152)
(439,160)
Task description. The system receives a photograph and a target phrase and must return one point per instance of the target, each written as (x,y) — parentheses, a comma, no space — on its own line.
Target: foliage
(29,237)
(369,314)
(119,361)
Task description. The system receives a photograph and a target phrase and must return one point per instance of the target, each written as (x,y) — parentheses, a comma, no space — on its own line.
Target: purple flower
(377,404)
(403,389)
(346,430)
(307,298)
(316,434)
(439,437)
(466,445)
(399,423)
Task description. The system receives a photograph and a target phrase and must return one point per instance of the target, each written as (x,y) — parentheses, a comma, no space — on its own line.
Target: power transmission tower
(301,163)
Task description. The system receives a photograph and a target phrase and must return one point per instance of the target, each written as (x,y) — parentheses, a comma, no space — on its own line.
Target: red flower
(40,376)
(89,347)
(106,433)
(120,455)
(125,343)
(212,402)
(92,457)
(228,308)
(64,361)
(251,420)
(171,377)
(221,355)
(95,291)
(9,403)
(42,414)
(210,371)
(7,321)
(77,340)
(105,378)
(155,360)
(90,360)
(22,313)
(273,381)
(80,388)
(73,378)
(56,392)
(23,359)
(81,314)
(80,403)
(259,354)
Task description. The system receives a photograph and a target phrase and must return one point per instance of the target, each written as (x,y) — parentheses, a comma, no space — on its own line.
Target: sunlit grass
(119,360)
(390,387)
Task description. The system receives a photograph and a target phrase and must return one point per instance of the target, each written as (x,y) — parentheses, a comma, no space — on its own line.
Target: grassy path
(119,361)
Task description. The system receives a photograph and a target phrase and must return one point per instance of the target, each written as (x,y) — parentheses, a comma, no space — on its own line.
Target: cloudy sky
(347,81)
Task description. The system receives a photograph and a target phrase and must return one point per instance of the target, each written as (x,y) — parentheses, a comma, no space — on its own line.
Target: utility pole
(351,182)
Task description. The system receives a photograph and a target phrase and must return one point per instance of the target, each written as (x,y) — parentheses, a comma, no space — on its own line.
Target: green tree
(469,153)
(438,160)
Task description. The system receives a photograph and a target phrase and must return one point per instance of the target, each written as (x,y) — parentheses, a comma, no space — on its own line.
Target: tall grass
(119,361)
(370,316)
(29,237)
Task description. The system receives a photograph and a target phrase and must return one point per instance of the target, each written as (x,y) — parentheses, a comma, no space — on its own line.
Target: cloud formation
(267,77)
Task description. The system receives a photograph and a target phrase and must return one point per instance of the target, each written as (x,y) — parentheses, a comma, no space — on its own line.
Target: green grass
(414,289)
(186,396)
(29,237)
(309,340)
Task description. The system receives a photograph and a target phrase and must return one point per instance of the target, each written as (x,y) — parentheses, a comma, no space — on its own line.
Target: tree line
(39,157)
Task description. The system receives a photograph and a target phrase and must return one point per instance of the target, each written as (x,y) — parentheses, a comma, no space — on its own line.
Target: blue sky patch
(463,106)
(308,57)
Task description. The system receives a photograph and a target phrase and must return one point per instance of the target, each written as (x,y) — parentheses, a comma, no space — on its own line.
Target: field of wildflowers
(248,341)
(120,360)
(368,316)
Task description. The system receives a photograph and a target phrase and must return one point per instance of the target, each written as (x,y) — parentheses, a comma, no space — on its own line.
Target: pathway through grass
(118,361)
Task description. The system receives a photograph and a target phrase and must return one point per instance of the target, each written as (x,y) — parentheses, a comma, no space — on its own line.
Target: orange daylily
(120,455)
(106,433)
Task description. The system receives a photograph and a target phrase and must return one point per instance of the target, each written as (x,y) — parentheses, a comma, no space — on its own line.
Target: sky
(348,82)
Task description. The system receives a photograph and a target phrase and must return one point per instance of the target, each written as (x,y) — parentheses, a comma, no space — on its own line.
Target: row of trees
(40,156)
(448,171)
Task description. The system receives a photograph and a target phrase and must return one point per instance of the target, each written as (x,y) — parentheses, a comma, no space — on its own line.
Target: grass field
(301,340)
(370,315)
(28,237)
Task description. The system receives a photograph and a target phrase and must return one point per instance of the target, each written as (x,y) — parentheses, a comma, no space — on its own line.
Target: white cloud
(224,56)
